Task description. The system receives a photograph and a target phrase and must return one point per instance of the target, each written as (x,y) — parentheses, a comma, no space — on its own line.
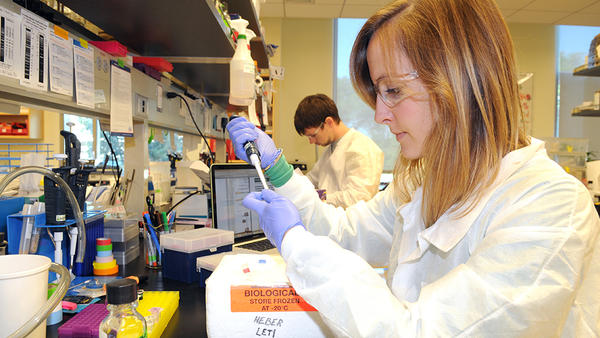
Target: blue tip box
(182,248)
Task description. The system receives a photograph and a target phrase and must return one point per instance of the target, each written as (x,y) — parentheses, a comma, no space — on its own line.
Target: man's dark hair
(313,110)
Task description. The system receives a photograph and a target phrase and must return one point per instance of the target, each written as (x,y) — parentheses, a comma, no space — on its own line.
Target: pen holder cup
(152,255)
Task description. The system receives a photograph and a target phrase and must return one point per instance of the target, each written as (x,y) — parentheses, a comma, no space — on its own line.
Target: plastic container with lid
(181,249)
(196,240)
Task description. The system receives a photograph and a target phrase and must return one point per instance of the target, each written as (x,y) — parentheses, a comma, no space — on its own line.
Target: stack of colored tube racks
(105,263)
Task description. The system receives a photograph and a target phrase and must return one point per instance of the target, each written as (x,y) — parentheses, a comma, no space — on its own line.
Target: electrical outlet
(141,105)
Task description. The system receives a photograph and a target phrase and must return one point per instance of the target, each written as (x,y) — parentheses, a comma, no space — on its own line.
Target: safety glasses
(393,90)
(316,132)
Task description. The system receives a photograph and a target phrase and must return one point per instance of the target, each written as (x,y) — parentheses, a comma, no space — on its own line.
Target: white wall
(306,52)
(535,49)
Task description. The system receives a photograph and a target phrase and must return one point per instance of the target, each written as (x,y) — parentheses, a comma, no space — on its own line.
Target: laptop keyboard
(262,245)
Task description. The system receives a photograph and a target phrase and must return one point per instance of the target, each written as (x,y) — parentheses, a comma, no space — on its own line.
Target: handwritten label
(267,299)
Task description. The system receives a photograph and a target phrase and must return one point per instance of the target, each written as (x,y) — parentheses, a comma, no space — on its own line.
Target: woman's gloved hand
(241,131)
(276,213)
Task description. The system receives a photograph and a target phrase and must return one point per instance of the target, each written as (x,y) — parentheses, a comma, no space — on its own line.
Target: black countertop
(189,320)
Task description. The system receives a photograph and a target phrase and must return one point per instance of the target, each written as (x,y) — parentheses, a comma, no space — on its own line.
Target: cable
(171,95)
(118,174)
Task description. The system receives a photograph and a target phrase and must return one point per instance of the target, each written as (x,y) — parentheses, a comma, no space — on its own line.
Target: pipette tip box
(182,248)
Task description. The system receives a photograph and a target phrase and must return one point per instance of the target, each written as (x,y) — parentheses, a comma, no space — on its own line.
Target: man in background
(350,169)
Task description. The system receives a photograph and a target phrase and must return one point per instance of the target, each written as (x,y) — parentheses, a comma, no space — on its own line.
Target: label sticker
(245,298)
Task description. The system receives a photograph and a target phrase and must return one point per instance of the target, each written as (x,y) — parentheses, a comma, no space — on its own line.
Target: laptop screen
(230,183)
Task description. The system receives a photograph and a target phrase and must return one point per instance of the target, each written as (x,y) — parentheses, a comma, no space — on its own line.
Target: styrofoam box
(196,240)
(250,295)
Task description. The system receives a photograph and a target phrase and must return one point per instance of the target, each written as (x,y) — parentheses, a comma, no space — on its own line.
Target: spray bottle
(241,68)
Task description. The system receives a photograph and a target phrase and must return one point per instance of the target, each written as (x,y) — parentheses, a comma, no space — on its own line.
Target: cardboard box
(250,295)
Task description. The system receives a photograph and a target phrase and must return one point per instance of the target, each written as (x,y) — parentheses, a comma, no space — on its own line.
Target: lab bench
(189,320)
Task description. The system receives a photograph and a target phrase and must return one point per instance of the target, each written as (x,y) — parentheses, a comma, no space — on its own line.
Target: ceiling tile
(513,4)
(378,3)
(593,9)
(536,16)
(325,2)
(506,13)
(559,5)
(581,19)
(312,11)
(359,11)
(268,10)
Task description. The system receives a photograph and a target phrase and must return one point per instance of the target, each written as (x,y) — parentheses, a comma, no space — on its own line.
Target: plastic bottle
(241,68)
(123,319)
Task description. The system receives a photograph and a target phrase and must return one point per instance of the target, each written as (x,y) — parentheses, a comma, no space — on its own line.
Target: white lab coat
(524,262)
(351,172)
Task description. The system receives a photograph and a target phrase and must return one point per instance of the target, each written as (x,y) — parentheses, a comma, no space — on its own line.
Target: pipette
(254,157)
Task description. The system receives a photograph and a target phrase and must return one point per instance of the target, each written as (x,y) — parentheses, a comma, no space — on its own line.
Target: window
(83,128)
(160,147)
(573,44)
(353,111)
(102,149)
(93,144)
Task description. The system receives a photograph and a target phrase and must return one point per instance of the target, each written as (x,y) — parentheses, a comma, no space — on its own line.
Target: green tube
(165,221)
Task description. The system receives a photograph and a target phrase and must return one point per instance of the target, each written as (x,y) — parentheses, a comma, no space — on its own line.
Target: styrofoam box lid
(196,240)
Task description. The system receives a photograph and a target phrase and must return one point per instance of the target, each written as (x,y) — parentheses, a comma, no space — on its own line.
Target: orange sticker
(61,32)
(246,298)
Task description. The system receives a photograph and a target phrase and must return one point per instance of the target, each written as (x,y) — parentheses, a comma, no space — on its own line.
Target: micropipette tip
(256,162)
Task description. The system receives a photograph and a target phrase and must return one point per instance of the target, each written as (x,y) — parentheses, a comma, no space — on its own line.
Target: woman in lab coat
(481,232)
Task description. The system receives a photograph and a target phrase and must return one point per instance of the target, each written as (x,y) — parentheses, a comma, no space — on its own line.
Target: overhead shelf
(586,112)
(586,71)
(188,33)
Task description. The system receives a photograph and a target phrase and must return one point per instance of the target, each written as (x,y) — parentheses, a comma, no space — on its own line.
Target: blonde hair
(464,56)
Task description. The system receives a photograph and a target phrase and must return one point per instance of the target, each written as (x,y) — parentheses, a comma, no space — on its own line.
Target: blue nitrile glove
(241,130)
(276,213)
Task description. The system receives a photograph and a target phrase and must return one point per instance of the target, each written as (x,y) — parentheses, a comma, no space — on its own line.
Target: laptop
(230,183)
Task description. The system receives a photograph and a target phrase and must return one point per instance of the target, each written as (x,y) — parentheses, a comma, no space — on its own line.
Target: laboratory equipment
(241,68)
(123,318)
(84,324)
(24,243)
(87,322)
(124,234)
(592,174)
(181,249)
(38,208)
(254,157)
(58,254)
(251,293)
(105,263)
(70,197)
(57,210)
(72,149)
(24,303)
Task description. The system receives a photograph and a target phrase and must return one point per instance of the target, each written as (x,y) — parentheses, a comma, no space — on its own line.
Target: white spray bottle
(241,68)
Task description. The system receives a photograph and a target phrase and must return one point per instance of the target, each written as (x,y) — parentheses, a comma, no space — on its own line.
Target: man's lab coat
(525,261)
(350,170)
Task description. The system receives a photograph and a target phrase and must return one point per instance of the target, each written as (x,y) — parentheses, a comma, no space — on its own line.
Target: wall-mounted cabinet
(190,34)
